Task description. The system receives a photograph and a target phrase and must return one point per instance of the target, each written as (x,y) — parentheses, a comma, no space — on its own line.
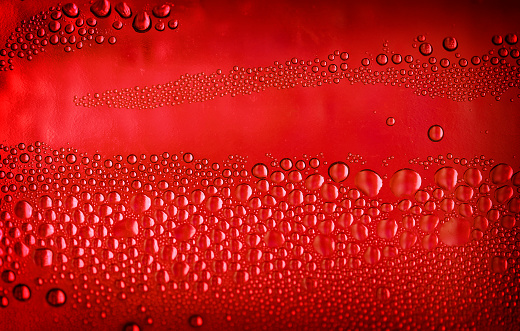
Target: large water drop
(455,232)
(405,182)
(368,182)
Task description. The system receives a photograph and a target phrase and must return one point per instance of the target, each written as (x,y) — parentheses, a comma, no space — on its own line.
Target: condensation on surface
(282,235)
(397,229)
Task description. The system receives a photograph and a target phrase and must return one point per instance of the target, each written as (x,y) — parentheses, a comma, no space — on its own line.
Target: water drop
(501,173)
(382,59)
(514,206)
(43,257)
(4,301)
(22,292)
(71,10)
(428,223)
(473,177)
(173,24)
(54,26)
(499,264)
(162,277)
(188,157)
(382,293)
(405,182)
(397,58)
(338,171)
(445,62)
(463,193)
(475,60)
(314,182)
(508,222)
(345,220)
(168,253)
(359,231)
(214,204)
(446,178)
(184,232)
(386,229)
(196,321)
(329,192)
(101,8)
(131,327)
(511,38)
(426,49)
(435,133)
(407,239)
(142,22)
(56,297)
(243,192)
(126,228)
(430,241)
(286,164)
(161,11)
(324,245)
(504,193)
(372,255)
(368,182)
(160,26)
(260,170)
(140,203)
(274,238)
(123,10)
(450,44)
(23,209)
(8,276)
(497,40)
(455,232)
(180,269)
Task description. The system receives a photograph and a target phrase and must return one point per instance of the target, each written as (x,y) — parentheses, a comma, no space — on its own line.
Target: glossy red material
(259,165)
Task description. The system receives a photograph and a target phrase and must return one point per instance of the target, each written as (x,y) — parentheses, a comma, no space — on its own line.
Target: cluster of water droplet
(465,80)
(130,227)
(75,26)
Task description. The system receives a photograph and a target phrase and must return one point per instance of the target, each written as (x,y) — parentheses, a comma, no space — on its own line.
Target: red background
(36,99)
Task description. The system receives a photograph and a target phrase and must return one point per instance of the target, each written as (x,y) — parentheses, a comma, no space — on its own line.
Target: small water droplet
(382,59)
(196,321)
(450,44)
(435,133)
(390,121)
(56,297)
(426,49)
(161,11)
(131,327)
(22,292)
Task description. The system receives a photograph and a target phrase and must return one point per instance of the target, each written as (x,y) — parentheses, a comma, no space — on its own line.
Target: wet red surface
(203,94)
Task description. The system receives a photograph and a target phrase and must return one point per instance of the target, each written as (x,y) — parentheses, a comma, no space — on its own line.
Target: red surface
(332,122)
(335,120)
